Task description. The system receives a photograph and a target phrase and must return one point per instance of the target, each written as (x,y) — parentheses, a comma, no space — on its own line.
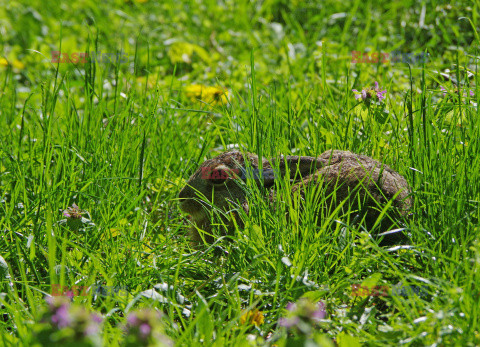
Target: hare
(342,174)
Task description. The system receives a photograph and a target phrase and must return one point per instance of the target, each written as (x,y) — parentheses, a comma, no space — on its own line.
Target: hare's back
(347,172)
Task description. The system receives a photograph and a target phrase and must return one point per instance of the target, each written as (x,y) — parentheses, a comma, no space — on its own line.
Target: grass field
(120,138)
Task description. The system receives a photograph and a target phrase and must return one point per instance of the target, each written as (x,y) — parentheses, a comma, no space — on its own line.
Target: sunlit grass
(270,78)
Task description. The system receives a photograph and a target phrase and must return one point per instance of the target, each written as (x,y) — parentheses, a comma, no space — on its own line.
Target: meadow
(107,108)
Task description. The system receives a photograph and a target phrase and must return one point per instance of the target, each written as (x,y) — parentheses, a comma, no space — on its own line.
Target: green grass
(120,142)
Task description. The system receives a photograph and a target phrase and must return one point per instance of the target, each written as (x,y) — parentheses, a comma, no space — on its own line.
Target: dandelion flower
(209,95)
(254,317)
(15,63)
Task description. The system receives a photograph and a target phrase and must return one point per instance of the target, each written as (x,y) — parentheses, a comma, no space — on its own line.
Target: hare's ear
(299,165)
(267,176)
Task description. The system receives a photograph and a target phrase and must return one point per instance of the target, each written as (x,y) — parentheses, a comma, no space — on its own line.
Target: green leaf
(344,340)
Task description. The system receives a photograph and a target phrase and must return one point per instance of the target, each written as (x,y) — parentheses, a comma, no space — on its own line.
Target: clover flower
(442,88)
(59,309)
(370,94)
(74,217)
(73,323)
(94,328)
(73,212)
(302,315)
(143,328)
(456,91)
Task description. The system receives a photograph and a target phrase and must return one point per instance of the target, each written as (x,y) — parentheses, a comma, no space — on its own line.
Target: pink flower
(132,319)
(444,91)
(61,318)
(144,330)
(288,322)
(456,90)
(370,93)
(303,315)
(320,312)
(94,325)
(358,95)
(73,212)
(380,93)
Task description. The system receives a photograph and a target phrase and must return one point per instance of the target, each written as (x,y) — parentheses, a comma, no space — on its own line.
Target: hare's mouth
(197,216)
(193,208)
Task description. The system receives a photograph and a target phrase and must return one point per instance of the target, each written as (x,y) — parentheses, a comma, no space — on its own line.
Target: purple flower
(303,315)
(69,294)
(288,322)
(94,324)
(380,93)
(61,318)
(132,319)
(73,212)
(365,94)
(50,301)
(291,306)
(145,325)
(358,95)
(370,93)
(96,318)
(91,329)
(320,312)
(145,330)
(456,90)
(74,322)
(444,91)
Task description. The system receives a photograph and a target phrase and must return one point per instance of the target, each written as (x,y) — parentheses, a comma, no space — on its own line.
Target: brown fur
(343,176)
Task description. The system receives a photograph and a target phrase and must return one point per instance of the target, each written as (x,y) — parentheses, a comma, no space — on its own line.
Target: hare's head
(218,181)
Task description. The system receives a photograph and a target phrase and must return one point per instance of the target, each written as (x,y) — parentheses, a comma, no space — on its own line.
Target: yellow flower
(210,95)
(16,63)
(254,317)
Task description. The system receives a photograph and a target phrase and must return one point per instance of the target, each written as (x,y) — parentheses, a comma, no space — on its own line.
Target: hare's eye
(218,181)
(222,174)
(219,176)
